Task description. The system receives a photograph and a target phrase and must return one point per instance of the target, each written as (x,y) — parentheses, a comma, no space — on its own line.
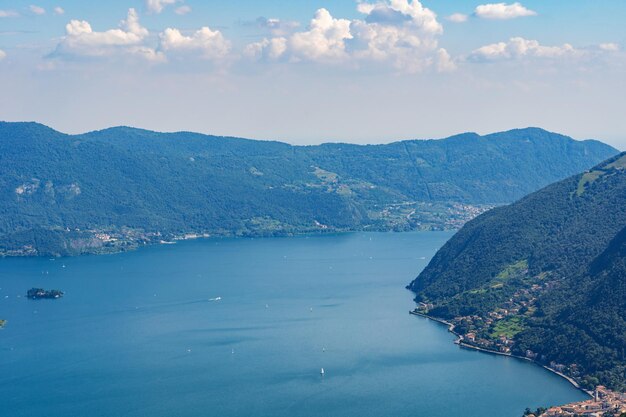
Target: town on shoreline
(603,402)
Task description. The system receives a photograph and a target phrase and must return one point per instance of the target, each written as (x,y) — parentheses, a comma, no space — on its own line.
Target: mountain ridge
(462,135)
(137,185)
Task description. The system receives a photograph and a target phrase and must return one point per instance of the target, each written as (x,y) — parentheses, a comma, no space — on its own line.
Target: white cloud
(157,6)
(444,62)
(397,12)
(58,11)
(502,11)
(37,9)
(211,44)
(8,13)
(457,18)
(266,49)
(182,10)
(609,47)
(402,33)
(2,54)
(81,40)
(324,40)
(518,48)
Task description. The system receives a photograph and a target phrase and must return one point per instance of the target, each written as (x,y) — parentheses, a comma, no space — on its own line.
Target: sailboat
(322,372)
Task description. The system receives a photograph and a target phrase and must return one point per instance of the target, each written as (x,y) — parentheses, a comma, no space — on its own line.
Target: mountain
(119,187)
(544,277)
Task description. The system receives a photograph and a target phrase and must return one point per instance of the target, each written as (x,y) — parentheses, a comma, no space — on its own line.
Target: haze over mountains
(544,277)
(115,188)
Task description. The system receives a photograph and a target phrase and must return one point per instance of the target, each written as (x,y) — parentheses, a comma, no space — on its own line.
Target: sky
(312,71)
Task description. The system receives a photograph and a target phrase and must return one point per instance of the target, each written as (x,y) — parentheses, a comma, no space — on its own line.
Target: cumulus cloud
(401,32)
(503,11)
(2,54)
(518,48)
(81,40)
(401,11)
(266,49)
(182,10)
(210,44)
(37,9)
(58,11)
(8,13)
(157,6)
(325,38)
(457,18)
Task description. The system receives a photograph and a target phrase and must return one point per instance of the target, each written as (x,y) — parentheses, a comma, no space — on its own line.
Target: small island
(40,293)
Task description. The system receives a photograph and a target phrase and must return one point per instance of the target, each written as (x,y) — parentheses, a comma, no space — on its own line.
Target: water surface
(137,335)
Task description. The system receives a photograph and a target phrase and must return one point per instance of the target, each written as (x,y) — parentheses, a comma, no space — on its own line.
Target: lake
(242,327)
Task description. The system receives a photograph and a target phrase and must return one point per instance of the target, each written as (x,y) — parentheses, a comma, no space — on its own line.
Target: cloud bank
(403,33)
(398,35)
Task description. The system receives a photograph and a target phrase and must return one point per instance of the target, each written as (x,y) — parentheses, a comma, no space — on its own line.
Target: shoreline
(459,341)
(173,240)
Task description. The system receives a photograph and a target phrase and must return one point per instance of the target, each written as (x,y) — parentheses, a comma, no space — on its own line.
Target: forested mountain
(544,277)
(106,190)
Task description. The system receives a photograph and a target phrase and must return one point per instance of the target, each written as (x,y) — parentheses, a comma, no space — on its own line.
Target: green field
(508,327)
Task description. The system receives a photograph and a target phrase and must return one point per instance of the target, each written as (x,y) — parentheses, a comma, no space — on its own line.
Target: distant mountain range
(120,187)
(544,277)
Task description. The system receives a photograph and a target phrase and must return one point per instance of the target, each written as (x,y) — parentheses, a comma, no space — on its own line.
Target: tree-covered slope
(547,272)
(65,194)
(585,322)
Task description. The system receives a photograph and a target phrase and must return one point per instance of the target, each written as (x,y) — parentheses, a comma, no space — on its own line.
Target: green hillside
(544,277)
(120,187)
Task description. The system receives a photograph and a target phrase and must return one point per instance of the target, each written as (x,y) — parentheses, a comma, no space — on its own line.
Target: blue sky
(317,70)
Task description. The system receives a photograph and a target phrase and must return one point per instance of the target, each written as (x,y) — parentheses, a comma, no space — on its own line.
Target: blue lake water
(136,335)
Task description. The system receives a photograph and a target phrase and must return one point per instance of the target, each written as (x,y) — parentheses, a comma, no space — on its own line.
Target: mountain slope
(592,312)
(105,190)
(545,275)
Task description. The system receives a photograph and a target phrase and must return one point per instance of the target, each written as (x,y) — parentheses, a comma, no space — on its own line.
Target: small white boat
(322,372)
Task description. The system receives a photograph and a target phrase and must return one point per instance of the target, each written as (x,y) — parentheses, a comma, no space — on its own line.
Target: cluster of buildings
(605,402)
(459,214)
(485,331)
(412,215)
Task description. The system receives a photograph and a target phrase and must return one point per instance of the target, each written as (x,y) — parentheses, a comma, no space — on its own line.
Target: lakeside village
(495,334)
(605,403)
(393,217)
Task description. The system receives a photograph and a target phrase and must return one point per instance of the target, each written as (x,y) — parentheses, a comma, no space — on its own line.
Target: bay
(242,327)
